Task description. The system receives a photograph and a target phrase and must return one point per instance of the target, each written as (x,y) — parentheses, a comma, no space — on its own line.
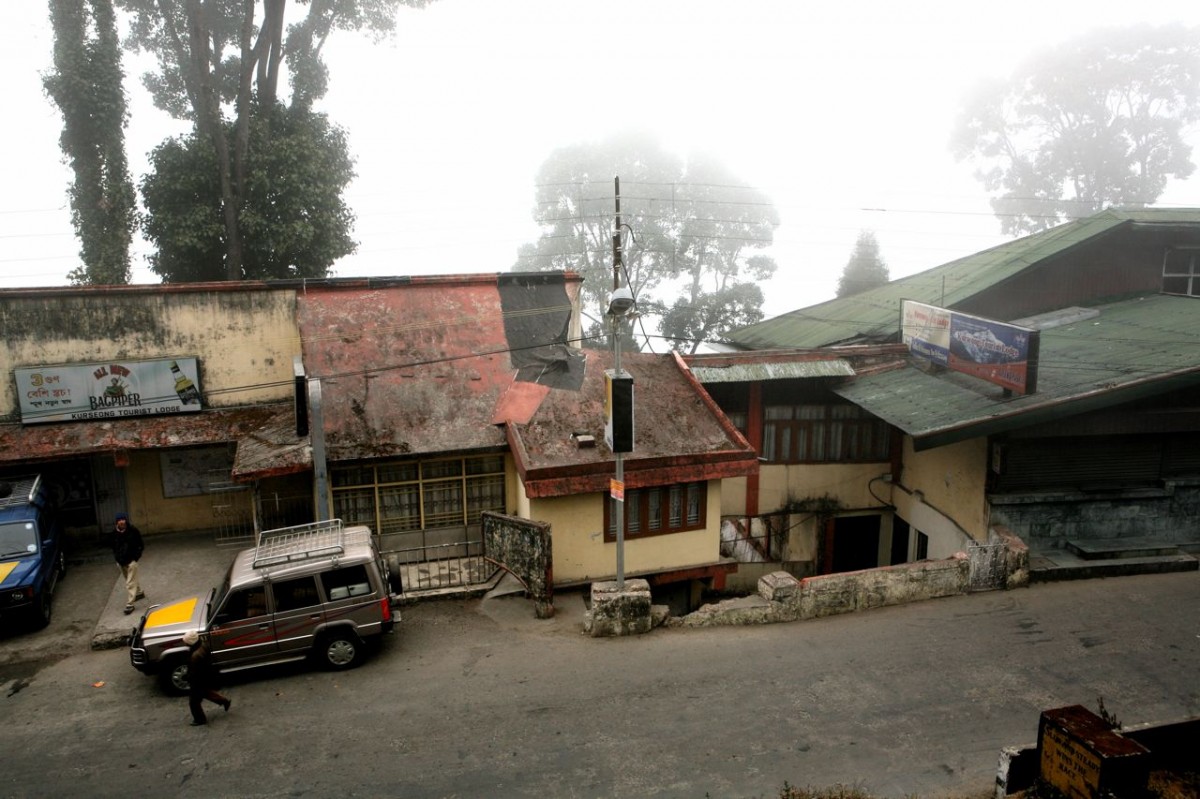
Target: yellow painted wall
(581,554)
(244,340)
(947,482)
(153,513)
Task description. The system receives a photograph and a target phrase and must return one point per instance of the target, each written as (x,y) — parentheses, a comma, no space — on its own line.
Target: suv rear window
(295,594)
(347,582)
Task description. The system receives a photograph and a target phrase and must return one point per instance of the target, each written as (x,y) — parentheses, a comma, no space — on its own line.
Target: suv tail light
(385,607)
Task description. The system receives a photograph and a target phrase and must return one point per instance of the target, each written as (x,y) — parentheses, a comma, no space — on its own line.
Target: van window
(244,604)
(348,582)
(295,594)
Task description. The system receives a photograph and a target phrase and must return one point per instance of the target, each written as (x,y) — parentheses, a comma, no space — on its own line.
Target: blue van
(32,560)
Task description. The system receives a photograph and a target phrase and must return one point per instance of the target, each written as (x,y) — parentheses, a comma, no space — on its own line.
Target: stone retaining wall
(782,597)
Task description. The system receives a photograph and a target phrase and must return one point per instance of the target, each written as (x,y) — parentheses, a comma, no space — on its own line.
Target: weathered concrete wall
(847,483)
(524,548)
(1048,521)
(244,339)
(952,480)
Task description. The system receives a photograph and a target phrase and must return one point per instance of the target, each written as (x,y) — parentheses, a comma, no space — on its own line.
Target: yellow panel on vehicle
(172,614)
(6,569)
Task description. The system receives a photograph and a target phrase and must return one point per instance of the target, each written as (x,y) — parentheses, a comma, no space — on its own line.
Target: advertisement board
(998,352)
(114,389)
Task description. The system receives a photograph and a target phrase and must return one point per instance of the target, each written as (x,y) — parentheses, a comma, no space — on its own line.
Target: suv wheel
(174,675)
(44,610)
(340,651)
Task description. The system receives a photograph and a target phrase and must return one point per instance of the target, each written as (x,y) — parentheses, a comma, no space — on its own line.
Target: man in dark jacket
(127,550)
(200,679)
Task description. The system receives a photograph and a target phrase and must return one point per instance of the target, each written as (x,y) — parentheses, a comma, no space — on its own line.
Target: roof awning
(265,435)
(778,370)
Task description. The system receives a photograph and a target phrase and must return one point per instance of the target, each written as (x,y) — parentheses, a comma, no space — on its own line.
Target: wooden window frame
(823,433)
(639,501)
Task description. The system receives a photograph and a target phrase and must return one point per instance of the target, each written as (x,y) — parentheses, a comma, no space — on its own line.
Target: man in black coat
(127,550)
(200,679)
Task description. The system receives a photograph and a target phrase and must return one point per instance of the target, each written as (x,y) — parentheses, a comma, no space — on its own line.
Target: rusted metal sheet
(45,442)
(679,436)
(417,369)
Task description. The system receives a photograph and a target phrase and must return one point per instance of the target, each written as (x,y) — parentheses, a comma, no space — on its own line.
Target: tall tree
(690,230)
(1096,122)
(865,269)
(219,65)
(293,222)
(87,86)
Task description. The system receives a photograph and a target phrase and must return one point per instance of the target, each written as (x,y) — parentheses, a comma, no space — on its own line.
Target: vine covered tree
(690,231)
(865,269)
(221,67)
(1094,123)
(86,84)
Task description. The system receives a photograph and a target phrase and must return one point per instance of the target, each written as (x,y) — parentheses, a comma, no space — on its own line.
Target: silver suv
(317,590)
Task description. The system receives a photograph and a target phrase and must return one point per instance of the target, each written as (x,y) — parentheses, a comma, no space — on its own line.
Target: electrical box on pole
(618,410)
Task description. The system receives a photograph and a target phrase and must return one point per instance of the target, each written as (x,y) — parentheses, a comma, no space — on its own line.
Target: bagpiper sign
(108,390)
(998,352)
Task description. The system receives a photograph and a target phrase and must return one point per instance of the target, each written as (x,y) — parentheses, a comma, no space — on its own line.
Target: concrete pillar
(619,611)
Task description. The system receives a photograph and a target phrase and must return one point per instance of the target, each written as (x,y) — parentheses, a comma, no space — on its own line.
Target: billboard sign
(995,351)
(108,390)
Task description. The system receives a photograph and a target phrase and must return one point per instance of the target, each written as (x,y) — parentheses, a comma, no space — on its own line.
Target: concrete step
(1063,565)
(1114,548)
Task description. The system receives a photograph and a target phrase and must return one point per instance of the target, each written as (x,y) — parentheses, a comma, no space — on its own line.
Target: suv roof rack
(301,542)
(21,490)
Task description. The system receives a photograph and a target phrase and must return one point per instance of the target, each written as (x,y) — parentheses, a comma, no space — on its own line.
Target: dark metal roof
(1132,349)
(874,315)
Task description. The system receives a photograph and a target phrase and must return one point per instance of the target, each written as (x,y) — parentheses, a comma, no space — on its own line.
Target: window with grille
(659,510)
(823,433)
(419,495)
(1181,271)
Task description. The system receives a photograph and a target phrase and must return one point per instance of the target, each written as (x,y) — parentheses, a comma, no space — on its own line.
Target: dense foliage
(1094,123)
(222,68)
(293,221)
(691,240)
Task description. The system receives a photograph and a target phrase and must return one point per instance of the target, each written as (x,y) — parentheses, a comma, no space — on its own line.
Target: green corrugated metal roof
(875,314)
(1134,348)
(749,372)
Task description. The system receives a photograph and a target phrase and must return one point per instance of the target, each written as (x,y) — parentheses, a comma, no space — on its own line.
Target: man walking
(200,679)
(127,550)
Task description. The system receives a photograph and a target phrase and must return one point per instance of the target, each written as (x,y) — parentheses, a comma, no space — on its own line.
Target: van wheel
(174,675)
(339,651)
(44,610)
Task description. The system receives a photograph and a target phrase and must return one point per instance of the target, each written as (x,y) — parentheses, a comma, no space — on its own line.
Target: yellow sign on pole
(616,489)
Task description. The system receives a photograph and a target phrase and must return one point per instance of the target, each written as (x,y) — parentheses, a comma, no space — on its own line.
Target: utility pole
(616,334)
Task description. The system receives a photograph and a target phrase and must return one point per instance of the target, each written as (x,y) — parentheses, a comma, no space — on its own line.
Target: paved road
(479,699)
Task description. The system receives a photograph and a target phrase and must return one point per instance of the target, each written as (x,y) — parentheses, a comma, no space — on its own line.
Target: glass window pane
(484,493)
(443,504)
(675,508)
(400,508)
(397,472)
(352,476)
(633,515)
(693,504)
(654,509)
(489,465)
(434,469)
(355,506)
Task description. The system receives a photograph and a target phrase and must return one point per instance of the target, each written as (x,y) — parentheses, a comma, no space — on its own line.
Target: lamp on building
(618,417)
